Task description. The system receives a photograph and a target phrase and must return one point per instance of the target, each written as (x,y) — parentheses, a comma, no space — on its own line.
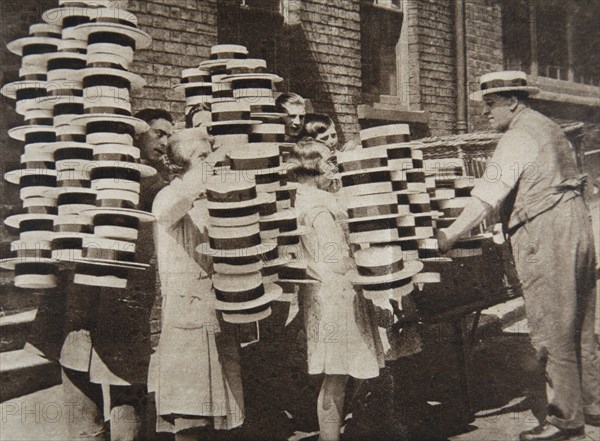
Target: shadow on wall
(285,48)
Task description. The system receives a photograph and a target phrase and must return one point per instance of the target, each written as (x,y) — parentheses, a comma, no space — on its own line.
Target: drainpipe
(461,66)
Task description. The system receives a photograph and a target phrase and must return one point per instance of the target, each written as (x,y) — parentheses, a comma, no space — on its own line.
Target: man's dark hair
(521,95)
(150,115)
(288,98)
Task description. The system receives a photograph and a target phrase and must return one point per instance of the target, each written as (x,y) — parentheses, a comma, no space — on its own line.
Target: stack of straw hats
(80,165)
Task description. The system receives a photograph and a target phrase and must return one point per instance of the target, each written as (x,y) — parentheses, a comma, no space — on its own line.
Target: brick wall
(329,63)
(182,33)
(484,50)
(431,48)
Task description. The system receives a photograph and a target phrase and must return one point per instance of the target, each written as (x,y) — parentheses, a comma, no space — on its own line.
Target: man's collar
(517,115)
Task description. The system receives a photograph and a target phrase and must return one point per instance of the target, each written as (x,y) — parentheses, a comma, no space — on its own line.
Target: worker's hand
(444,243)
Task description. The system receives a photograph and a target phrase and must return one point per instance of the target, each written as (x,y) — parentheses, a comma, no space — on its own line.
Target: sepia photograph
(300,220)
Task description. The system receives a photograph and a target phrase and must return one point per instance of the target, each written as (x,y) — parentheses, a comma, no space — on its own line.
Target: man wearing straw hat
(532,179)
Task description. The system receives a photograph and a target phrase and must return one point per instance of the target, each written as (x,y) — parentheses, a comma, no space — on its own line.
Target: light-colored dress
(195,371)
(342,338)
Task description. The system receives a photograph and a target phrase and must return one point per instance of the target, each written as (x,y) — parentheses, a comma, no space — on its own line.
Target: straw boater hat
(268,131)
(297,272)
(34,268)
(264,109)
(196,85)
(246,66)
(503,81)
(34,208)
(244,298)
(221,54)
(116,26)
(375,206)
(42,40)
(37,120)
(389,135)
(364,171)
(380,272)
(33,72)
(232,200)
(235,242)
(66,66)
(261,163)
(27,95)
(69,17)
(230,113)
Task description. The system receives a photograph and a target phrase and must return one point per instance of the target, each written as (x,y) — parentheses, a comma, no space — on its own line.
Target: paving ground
(418,398)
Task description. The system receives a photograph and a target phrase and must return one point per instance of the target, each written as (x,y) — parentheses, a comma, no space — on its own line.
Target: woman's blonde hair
(186,144)
(307,159)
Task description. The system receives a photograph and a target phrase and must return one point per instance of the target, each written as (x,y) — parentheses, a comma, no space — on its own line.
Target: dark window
(380,32)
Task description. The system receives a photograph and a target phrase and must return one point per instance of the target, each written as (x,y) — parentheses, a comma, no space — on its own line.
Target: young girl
(195,371)
(321,128)
(342,339)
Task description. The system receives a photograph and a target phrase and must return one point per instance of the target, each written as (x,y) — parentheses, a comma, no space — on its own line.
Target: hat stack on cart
(389,211)
(79,135)
(237,249)
(450,192)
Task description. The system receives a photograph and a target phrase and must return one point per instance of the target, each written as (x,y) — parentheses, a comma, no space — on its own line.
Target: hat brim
(142,216)
(19,132)
(11,262)
(300,231)
(211,64)
(272,292)
(478,96)
(145,170)
(267,115)
(183,86)
(54,146)
(251,76)
(411,268)
(372,237)
(236,122)
(141,38)
(10,90)
(136,81)
(255,250)
(14,176)
(138,125)
(369,218)
(14,220)
(260,199)
(113,263)
(240,318)
(16,46)
(47,102)
(363,171)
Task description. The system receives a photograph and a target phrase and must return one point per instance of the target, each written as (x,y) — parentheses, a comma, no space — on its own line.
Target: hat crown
(377,256)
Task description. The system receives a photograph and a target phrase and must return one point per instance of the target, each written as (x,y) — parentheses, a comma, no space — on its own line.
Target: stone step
(13,299)
(14,330)
(23,372)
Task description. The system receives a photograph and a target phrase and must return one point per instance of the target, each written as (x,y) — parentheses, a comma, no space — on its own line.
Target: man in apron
(532,180)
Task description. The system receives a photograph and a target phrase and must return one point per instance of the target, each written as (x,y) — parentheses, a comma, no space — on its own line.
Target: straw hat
(503,81)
